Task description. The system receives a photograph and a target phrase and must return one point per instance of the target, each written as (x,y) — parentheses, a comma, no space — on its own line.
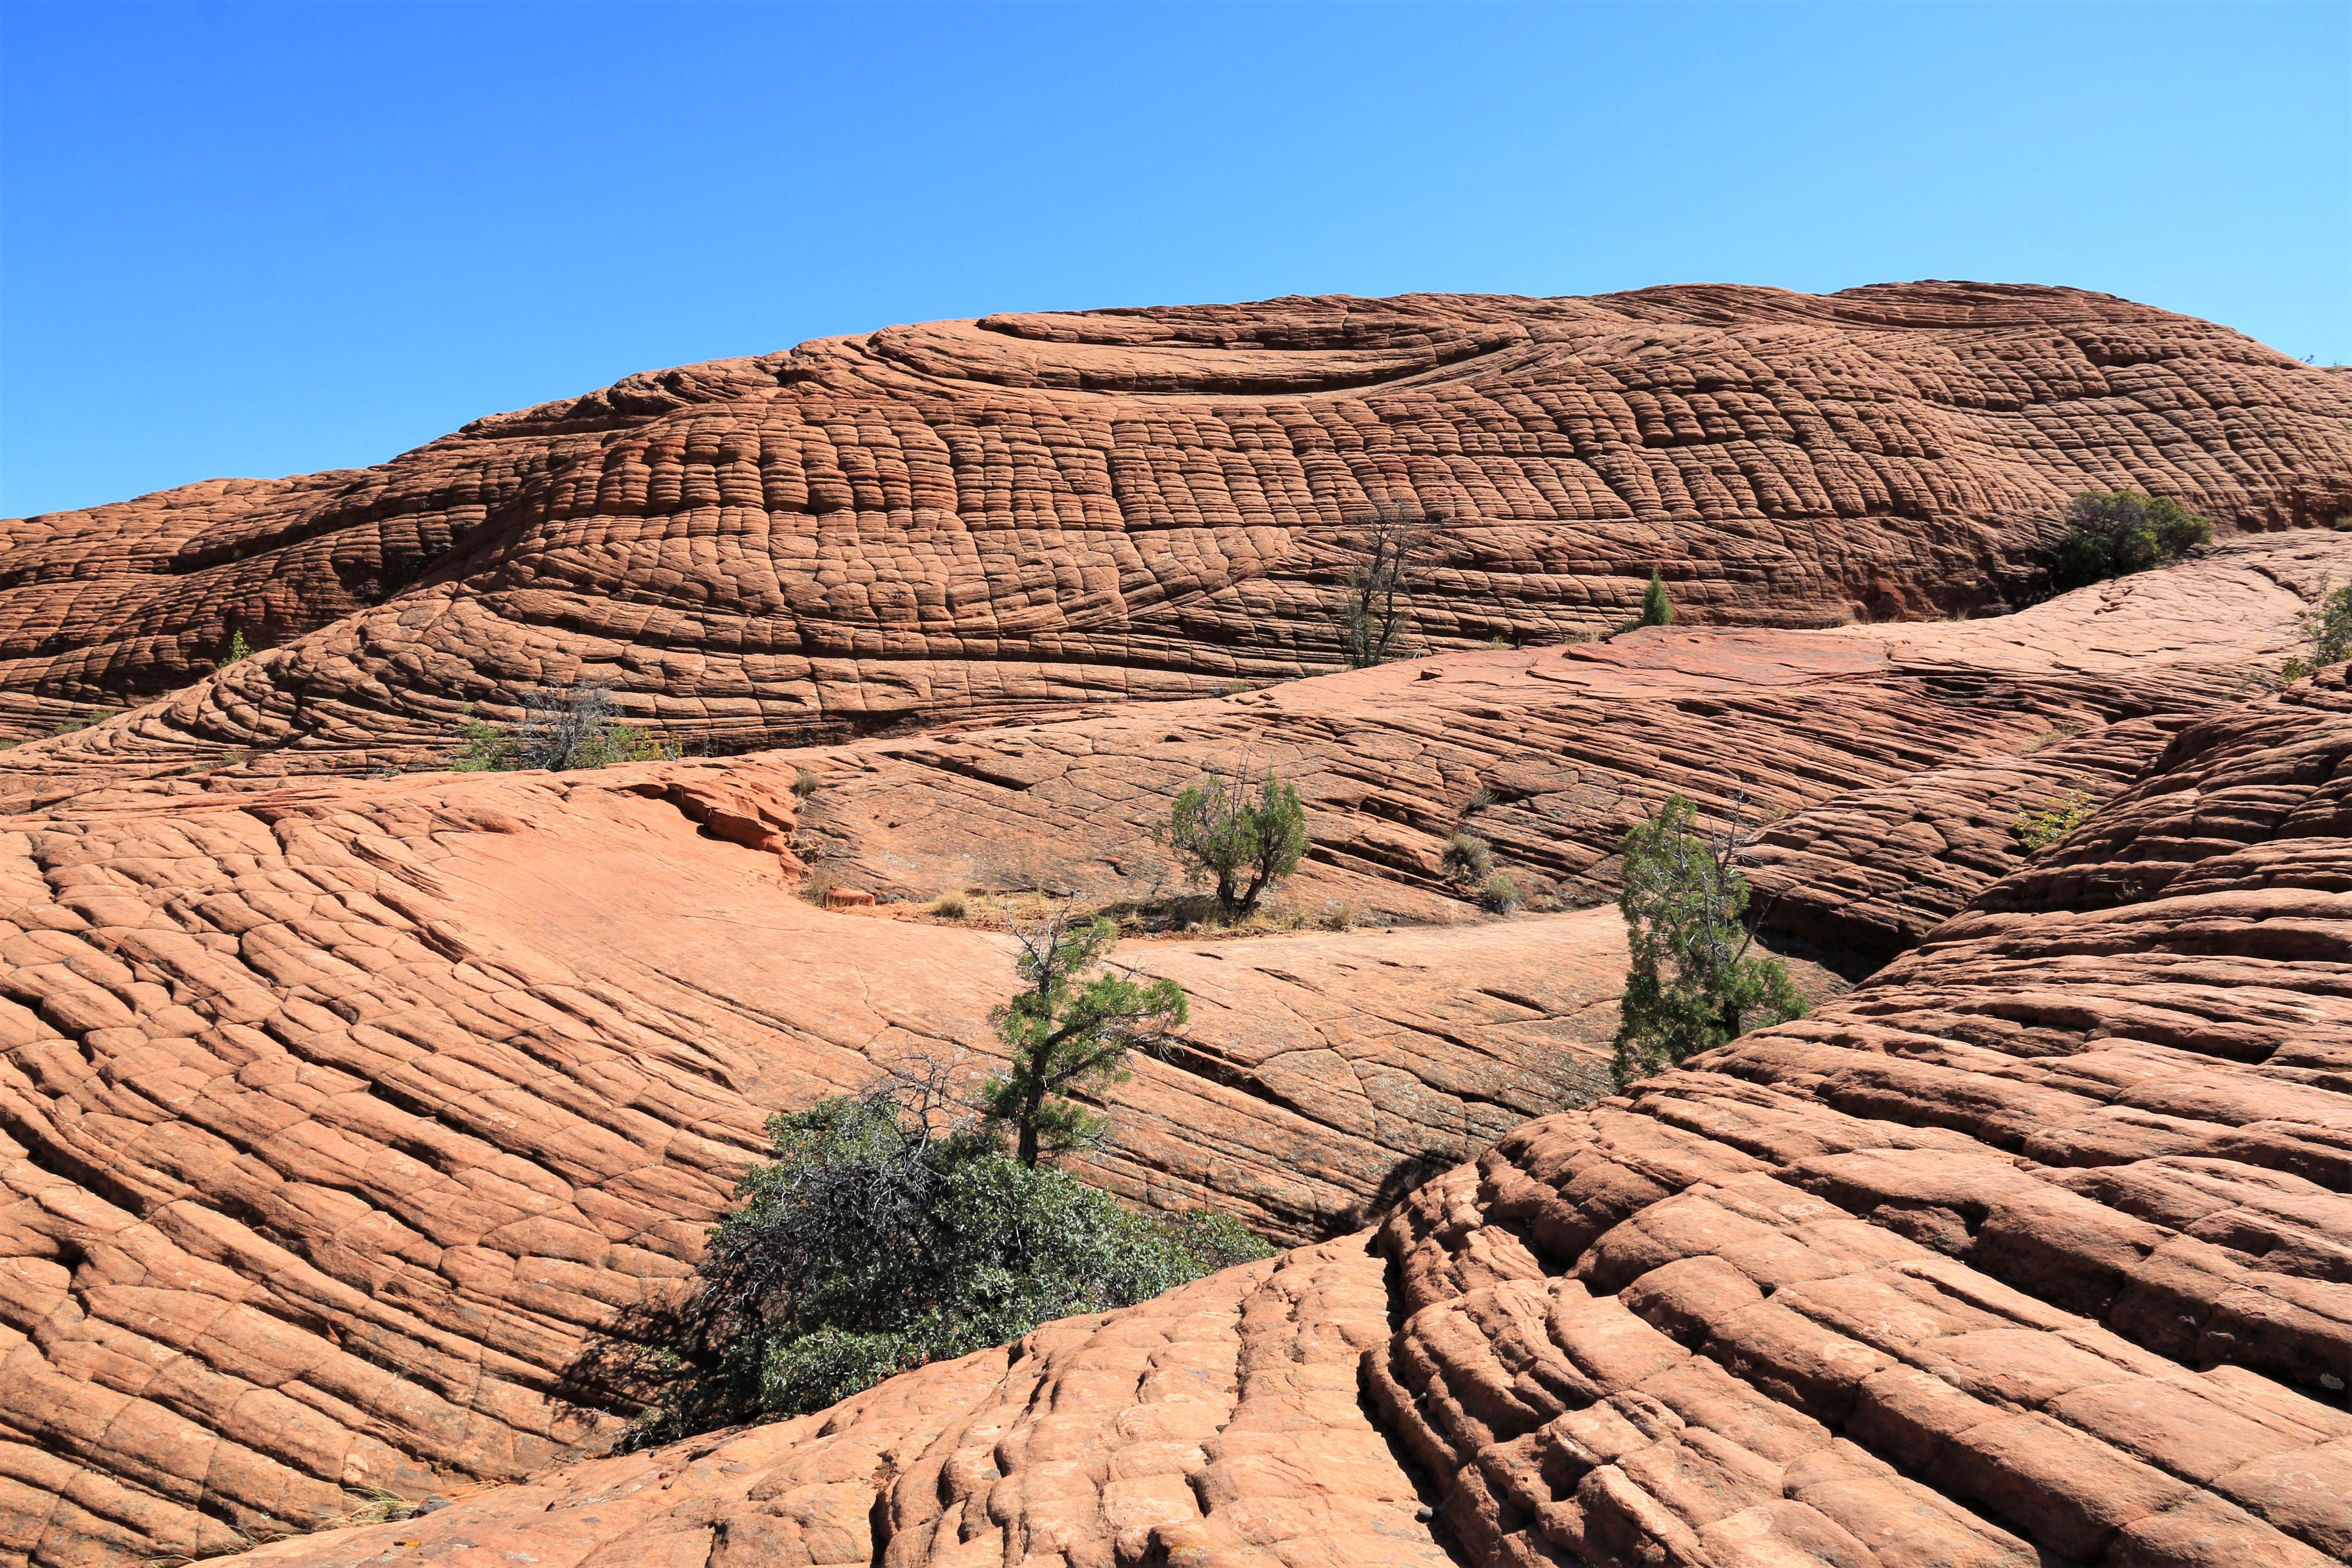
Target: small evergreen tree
(1066,1035)
(1657,610)
(1692,984)
(1242,844)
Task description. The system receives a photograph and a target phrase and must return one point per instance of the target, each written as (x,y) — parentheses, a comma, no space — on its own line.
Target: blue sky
(258,238)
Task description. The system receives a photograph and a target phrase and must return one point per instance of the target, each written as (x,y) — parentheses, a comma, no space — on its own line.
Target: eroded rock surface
(988,518)
(2029,1251)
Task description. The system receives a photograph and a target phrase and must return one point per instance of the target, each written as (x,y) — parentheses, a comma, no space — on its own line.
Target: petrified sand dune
(343,1116)
(985,518)
(345,1121)
(2029,1251)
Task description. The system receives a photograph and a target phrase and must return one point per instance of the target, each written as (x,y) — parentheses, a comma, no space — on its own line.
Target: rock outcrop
(344,1118)
(983,519)
(2030,1251)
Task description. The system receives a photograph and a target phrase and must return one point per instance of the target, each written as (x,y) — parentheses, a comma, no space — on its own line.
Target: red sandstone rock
(1850,1291)
(990,517)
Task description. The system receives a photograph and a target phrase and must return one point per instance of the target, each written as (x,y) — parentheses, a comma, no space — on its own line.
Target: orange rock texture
(991,517)
(344,1117)
(2029,1251)
(347,1121)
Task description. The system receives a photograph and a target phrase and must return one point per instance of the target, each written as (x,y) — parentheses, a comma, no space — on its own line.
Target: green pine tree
(1657,610)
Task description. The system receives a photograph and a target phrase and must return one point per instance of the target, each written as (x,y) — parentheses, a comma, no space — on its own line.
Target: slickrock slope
(341,1116)
(2030,1251)
(988,518)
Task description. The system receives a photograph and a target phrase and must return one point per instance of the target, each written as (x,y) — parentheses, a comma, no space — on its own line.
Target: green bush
(562,729)
(1693,983)
(2038,828)
(2328,630)
(885,1232)
(2116,533)
(1241,841)
(237,651)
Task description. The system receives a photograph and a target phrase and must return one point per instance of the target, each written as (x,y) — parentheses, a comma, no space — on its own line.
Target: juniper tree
(1693,983)
(1657,610)
(1064,1033)
(1241,841)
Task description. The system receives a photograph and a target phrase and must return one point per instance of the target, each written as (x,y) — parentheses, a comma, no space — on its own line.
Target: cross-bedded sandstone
(976,519)
(2027,1252)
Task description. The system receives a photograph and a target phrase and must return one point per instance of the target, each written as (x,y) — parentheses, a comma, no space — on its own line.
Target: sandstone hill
(987,518)
(349,1118)
(2030,1251)
(345,1118)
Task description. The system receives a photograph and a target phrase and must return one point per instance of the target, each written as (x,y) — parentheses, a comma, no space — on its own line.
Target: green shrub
(562,729)
(2039,827)
(1693,983)
(237,651)
(2327,627)
(2116,533)
(888,1231)
(1502,894)
(1241,841)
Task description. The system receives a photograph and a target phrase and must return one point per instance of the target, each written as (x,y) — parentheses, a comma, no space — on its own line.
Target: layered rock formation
(345,1123)
(982,517)
(2030,1251)
(344,1118)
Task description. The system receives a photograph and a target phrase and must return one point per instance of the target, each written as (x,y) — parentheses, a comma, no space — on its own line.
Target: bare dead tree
(1372,609)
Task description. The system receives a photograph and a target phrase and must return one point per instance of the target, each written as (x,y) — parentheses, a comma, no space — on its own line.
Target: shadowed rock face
(985,518)
(2029,1251)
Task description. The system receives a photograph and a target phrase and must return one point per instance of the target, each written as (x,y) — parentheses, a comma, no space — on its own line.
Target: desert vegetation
(2113,534)
(1066,1030)
(1694,981)
(562,729)
(919,1220)
(2038,827)
(1372,610)
(1238,836)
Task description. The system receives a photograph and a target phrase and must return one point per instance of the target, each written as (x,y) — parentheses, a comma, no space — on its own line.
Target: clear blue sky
(256,238)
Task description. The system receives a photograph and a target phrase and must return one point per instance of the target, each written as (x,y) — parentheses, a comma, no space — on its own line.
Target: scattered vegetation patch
(564,729)
(2038,828)
(1501,895)
(2113,534)
(948,905)
(804,783)
(894,1227)
(1694,983)
(2057,734)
